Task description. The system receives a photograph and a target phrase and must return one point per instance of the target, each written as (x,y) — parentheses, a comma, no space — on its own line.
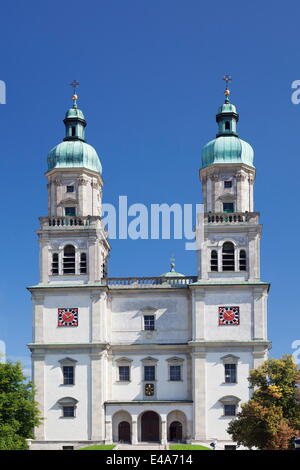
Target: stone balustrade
(146,282)
(231,218)
(70,222)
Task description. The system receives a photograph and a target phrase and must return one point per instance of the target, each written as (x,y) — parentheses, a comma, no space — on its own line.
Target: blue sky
(150,78)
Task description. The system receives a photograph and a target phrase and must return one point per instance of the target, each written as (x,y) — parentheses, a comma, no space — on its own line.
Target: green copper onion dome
(227,147)
(74,152)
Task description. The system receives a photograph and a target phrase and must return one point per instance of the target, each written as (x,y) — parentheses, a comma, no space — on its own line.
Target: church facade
(157,359)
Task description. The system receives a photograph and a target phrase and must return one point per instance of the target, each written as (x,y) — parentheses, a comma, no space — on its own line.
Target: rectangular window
(149,373)
(229,447)
(227,184)
(149,322)
(68,373)
(229,410)
(124,374)
(228,207)
(70,211)
(68,411)
(175,373)
(67,447)
(230,373)
(70,189)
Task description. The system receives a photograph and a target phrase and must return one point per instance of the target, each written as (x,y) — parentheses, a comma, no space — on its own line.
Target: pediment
(226,197)
(149,359)
(175,360)
(148,309)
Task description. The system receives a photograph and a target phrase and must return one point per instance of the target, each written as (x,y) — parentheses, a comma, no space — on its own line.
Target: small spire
(74,84)
(227,78)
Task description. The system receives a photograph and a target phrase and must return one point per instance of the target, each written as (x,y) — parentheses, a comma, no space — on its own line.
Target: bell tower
(73,242)
(230,249)
(69,302)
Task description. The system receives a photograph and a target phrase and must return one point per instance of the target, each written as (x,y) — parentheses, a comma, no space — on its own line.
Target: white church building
(156,359)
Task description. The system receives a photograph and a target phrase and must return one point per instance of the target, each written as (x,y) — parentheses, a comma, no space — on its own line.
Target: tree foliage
(271,419)
(18,409)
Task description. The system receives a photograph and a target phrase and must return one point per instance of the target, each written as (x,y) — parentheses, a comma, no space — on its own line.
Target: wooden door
(150,427)
(124,432)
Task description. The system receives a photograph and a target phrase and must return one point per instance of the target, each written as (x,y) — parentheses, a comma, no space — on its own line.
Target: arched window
(83,263)
(55,264)
(243,261)
(227,126)
(228,256)
(69,260)
(214,261)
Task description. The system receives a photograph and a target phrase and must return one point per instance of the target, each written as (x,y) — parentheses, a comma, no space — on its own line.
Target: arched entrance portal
(124,432)
(176,431)
(150,427)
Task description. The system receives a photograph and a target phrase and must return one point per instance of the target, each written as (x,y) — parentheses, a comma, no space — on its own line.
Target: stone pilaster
(38,318)
(199,392)
(39,383)
(97,408)
(198,314)
(108,431)
(44,260)
(259,356)
(95,330)
(92,259)
(259,298)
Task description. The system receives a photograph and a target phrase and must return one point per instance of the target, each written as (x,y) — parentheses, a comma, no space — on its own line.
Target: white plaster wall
(171,311)
(57,427)
(216,388)
(66,334)
(165,389)
(215,298)
(86,196)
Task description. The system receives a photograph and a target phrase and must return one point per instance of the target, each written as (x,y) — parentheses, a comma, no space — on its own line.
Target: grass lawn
(98,447)
(187,447)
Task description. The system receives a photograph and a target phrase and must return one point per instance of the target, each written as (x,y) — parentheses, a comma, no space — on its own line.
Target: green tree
(272,417)
(18,410)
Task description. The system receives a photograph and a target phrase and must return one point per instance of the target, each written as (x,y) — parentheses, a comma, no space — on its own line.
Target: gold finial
(227,78)
(74,84)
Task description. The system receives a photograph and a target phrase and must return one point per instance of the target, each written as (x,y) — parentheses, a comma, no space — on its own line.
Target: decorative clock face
(229,315)
(68,317)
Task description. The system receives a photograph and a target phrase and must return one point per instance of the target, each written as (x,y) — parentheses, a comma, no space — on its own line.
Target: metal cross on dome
(227,78)
(74,84)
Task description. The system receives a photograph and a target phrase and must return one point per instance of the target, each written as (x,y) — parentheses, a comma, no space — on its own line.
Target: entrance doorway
(176,431)
(124,432)
(150,427)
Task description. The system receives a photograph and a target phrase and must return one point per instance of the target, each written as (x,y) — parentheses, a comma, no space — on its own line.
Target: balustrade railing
(137,282)
(231,218)
(70,222)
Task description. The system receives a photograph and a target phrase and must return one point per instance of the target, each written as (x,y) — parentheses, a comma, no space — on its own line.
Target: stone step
(142,446)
